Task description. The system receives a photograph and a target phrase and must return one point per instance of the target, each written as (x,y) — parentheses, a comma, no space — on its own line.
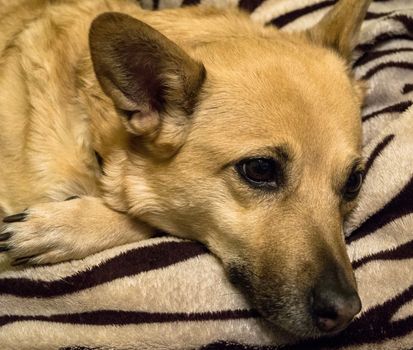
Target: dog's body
(54,115)
(172,136)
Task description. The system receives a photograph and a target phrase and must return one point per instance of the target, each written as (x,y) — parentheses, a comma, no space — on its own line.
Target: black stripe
(404,251)
(118,318)
(407,89)
(401,205)
(381,39)
(380,67)
(370,56)
(376,15)
(385,37)
(376,152)
(292,16)
(406,21)
(129,263)
(289,17)
(155,5)
(396,108)
(250,5)
(190,2)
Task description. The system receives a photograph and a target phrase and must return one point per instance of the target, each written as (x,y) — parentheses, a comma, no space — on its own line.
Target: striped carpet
(170,294)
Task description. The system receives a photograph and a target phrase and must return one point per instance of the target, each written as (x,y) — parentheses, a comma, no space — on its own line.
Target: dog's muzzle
(334,305)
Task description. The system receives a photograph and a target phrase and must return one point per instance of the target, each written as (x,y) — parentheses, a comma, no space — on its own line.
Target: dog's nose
(333,310)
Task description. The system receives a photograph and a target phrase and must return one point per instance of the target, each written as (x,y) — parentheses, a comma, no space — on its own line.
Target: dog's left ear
(153,83)
(340,27)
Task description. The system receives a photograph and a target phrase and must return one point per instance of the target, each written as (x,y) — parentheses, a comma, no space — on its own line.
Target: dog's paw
(73,229)
(42,234)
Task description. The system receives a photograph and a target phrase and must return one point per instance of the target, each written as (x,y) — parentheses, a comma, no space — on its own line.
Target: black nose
(333,308)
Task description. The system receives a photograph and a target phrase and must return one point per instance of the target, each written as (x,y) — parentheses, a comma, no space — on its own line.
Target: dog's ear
(340,27)
(151,80)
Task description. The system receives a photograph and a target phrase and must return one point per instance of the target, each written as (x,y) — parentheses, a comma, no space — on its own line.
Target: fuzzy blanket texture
(166,293)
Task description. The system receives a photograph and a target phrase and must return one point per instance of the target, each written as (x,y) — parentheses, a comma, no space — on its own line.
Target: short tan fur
(179,119)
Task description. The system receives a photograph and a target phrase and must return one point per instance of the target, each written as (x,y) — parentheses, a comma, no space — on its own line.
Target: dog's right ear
(151,80)
(340,27)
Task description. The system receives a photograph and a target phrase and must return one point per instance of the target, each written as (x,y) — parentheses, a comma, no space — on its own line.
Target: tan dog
(241,137)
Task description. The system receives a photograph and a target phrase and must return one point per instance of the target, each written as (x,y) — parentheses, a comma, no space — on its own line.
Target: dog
(116,122)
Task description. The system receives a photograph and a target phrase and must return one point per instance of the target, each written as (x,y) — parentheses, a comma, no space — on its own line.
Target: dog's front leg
(72,229)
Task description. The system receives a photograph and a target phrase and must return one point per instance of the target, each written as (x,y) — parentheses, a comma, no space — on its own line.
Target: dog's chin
(285,313)
(292,323)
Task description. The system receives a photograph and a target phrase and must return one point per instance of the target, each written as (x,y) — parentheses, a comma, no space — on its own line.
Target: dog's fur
(170,117)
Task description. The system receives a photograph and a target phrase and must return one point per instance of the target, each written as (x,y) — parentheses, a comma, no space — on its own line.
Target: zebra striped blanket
(165,293)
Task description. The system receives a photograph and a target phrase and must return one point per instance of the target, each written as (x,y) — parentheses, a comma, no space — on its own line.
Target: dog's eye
(353,185)
(259,171)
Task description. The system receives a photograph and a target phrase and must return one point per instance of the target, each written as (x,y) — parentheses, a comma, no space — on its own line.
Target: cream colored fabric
(170,294)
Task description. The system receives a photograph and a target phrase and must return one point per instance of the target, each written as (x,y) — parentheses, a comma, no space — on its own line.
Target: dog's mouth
(322,311)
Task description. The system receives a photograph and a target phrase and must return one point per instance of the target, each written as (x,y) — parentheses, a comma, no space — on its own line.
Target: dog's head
(249,144)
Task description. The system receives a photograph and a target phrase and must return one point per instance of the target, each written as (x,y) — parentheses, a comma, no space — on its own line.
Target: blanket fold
(165,293)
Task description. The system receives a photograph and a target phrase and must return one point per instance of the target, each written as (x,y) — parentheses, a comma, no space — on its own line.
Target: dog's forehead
(279,97)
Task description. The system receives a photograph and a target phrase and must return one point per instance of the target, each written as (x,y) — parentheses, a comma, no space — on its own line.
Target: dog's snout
(334,309)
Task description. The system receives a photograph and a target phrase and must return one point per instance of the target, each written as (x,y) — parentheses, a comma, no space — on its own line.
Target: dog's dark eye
(353,185)
(259,171)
